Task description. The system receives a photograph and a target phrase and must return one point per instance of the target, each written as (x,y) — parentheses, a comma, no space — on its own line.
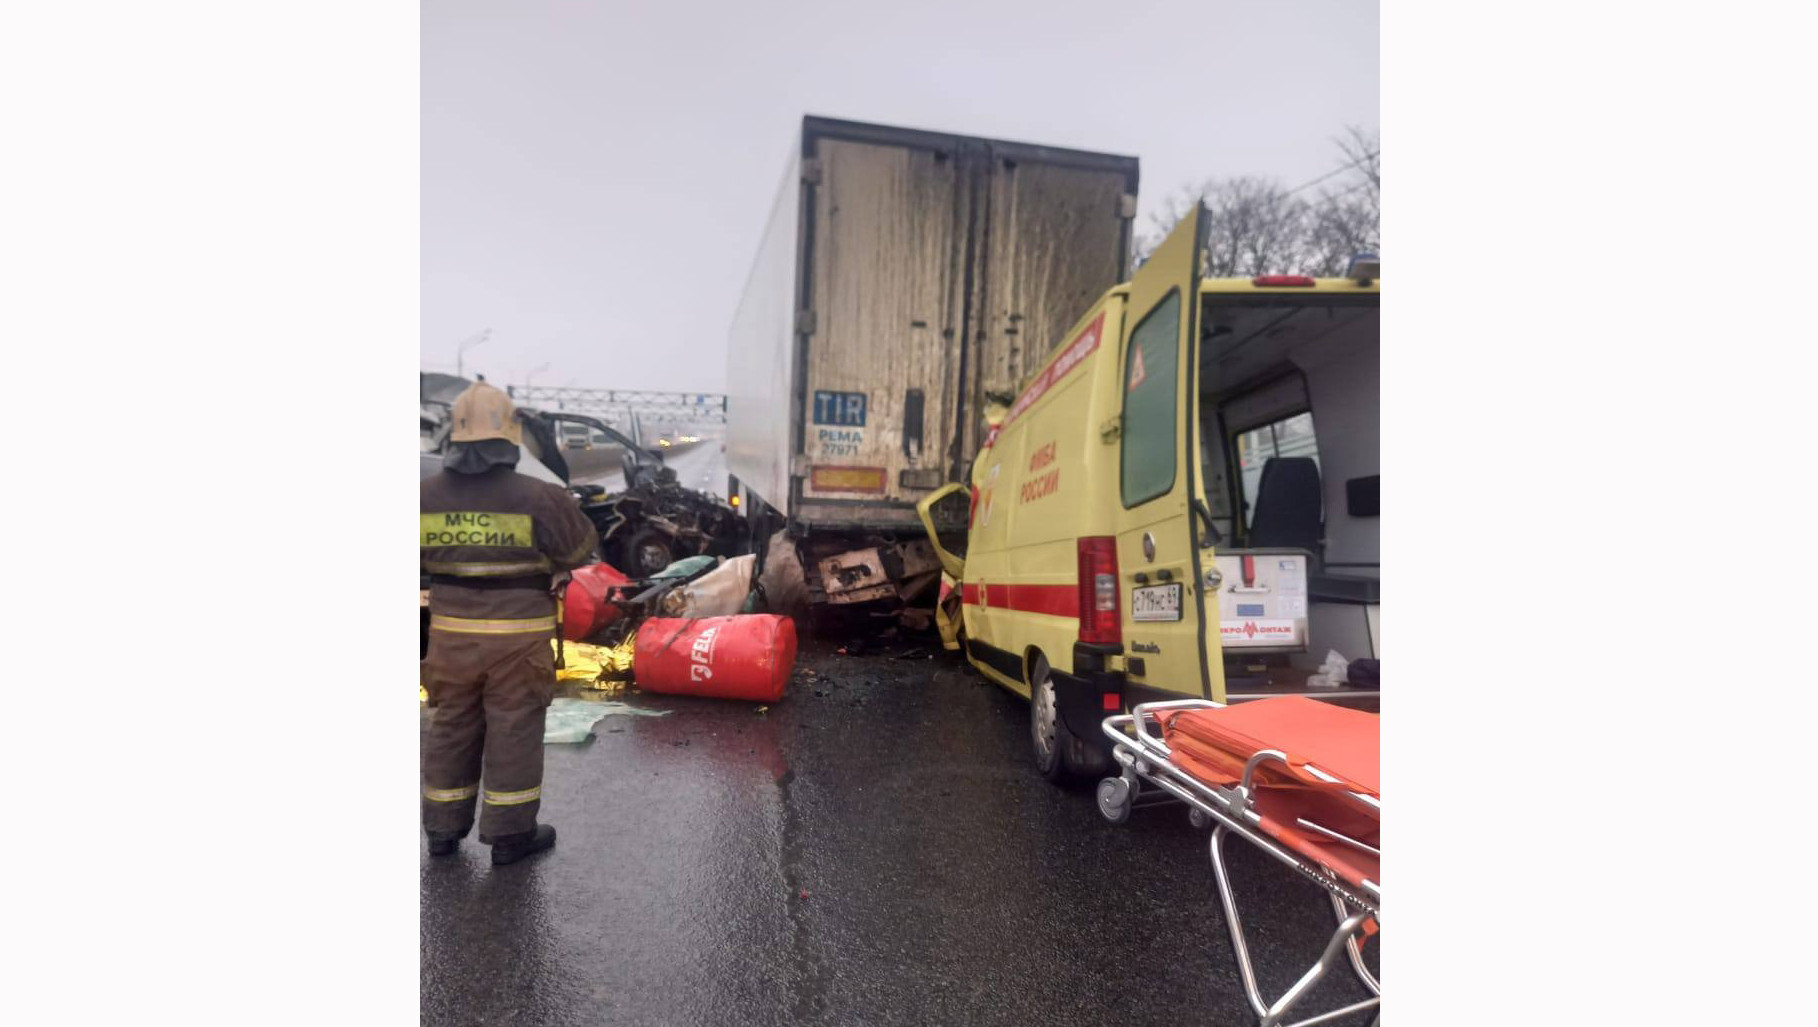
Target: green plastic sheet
(572,720)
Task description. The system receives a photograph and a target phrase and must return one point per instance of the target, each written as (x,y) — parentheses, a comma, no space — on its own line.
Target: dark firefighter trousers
(488,694)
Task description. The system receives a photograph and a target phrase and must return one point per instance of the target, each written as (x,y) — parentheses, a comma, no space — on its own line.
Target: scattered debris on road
(587,602)
(721,592)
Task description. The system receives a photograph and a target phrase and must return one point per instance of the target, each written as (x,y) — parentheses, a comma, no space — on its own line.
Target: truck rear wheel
(1060,755)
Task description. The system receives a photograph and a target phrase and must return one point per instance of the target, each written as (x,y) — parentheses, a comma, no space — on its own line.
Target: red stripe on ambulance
(1052,600)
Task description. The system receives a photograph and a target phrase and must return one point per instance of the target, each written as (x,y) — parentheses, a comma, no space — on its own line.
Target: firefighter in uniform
(492,541)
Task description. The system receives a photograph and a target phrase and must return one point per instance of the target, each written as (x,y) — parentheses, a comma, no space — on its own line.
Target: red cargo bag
(584,606)
(746,656)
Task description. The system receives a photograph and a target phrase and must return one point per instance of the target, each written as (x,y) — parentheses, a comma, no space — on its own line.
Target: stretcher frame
(1144,757)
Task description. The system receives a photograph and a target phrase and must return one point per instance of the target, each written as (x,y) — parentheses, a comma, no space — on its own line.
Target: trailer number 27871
(839,441)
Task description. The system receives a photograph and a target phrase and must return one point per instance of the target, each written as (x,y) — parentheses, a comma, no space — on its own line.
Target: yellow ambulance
(1157,497)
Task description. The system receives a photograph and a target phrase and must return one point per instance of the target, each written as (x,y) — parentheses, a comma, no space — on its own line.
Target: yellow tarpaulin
(596,666)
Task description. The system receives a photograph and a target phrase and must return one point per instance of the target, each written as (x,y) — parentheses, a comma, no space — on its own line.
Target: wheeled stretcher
(1297,778)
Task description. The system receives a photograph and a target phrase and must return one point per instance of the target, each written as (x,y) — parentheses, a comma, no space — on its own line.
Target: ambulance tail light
(1100,620)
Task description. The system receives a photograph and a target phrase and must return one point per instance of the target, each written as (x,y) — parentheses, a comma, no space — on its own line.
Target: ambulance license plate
(1156,602)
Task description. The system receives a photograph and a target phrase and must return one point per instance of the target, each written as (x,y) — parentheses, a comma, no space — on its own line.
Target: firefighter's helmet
(483,412)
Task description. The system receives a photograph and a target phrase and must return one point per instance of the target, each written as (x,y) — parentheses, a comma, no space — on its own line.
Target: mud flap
(1080,703)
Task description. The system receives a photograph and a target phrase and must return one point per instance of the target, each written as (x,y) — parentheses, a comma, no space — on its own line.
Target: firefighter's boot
(444,844)
(512,847)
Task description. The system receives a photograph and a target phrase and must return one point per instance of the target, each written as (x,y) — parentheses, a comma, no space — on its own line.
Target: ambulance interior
(1289,440)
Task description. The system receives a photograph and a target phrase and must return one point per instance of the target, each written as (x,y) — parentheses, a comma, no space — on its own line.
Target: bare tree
(1347,221)
(1255,225)
(1256,228)
(1339,227)
(1259,227)
(1362,151)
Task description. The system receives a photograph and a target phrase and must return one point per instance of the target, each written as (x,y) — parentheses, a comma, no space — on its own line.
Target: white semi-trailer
(905,279)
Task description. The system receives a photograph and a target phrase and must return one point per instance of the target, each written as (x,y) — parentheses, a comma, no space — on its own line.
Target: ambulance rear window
(1151,379)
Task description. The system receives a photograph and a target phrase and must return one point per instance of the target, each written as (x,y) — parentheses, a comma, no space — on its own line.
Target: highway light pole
(466,344)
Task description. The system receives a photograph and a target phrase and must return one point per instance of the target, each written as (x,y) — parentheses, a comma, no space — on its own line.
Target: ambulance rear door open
(1162,545)
(1289,426)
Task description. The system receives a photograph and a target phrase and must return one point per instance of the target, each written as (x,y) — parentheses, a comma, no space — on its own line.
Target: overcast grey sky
(596,174)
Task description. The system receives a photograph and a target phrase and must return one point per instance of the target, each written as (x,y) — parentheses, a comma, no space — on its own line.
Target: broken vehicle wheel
(647,552)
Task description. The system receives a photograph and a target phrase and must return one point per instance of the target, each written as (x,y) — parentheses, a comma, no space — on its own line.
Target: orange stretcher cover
(1213,744)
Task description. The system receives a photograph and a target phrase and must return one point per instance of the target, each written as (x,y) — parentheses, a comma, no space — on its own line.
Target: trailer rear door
(877,396)
(1056,236)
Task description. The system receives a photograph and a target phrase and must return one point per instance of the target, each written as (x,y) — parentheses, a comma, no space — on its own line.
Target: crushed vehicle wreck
(650,523)
(653,521)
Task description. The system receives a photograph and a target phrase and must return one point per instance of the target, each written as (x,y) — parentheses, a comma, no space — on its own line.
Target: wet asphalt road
(875,849)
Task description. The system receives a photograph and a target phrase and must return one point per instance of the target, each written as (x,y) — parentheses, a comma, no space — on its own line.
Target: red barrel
(746,656)
(584,606)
